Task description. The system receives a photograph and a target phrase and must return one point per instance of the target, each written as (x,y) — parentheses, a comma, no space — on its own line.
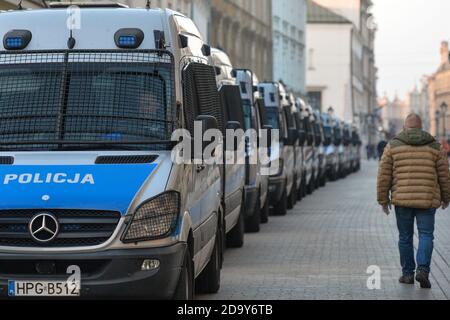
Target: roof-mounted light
(17,39)
(129,38)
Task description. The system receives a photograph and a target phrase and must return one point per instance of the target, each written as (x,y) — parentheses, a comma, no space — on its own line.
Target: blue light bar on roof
(127,41)
(17,39)
(129,38)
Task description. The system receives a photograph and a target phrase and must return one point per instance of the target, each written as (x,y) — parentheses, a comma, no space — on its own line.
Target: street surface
(323,248)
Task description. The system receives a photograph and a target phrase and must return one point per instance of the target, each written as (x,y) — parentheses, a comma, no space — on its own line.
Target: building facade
(361,106)
(243,29)
(419,102)
(197,10)
(289,43)
(329,59)
(393,114)
(13,4)
(439,96)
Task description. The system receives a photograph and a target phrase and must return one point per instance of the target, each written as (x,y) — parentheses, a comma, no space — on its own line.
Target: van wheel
(292,200)
(209,280)
(252,224)
(323,181)
(265,211)
(185,287)
(235,238)
(310,187)
(300,191)
(280,208)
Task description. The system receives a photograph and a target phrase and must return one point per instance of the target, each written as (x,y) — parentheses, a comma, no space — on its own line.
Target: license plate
(42,289)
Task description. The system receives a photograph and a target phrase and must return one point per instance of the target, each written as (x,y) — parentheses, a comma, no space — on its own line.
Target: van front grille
(77,228)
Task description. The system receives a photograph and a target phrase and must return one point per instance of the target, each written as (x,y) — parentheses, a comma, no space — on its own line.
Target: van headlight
(154,219)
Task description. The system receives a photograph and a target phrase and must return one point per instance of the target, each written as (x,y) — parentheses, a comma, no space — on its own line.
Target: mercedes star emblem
(44,227)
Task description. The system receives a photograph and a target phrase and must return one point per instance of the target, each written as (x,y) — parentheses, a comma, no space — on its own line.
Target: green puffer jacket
(414,172)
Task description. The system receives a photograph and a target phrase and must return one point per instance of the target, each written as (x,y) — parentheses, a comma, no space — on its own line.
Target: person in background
(380,148)
(414,177)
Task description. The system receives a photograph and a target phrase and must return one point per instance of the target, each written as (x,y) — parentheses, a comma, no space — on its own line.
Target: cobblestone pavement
(322,249)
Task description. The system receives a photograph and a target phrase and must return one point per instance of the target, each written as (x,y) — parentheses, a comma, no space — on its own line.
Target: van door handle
(201,167)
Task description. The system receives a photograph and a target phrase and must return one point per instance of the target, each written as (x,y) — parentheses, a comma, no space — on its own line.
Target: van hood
(85,187)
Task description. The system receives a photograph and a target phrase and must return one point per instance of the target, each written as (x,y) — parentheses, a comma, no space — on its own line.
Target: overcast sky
(408,41)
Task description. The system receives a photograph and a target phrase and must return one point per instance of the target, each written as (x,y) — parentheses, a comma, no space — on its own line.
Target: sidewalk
(322,249)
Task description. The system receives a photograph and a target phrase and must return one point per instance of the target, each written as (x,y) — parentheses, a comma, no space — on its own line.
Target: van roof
(96,29)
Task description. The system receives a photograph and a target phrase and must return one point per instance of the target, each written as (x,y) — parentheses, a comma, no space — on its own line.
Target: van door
(201,98)
(288,152)
(233,173)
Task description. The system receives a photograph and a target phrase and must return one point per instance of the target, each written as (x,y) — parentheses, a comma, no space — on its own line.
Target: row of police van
(92,203)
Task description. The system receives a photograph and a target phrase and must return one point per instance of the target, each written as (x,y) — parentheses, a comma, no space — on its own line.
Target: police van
(296,122)
(321,179)
(330,151)
(256,168)
(309,156)
(233,170)
(282,168)
(88,181)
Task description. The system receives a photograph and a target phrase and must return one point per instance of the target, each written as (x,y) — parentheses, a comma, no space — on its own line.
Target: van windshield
(77,103)
(273,118)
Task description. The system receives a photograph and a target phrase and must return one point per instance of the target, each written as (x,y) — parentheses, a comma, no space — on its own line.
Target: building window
(311,59)
(315,100)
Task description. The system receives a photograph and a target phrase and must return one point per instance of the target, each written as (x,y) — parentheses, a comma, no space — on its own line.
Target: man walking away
(414,177)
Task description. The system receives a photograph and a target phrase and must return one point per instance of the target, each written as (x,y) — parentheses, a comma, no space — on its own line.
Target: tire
(310,187)
(301,190)
(265,211)
(252,224)
(280,209)
(333,175)
(235,238)
(323,181)
(209,280)
(292,199)
(186,283)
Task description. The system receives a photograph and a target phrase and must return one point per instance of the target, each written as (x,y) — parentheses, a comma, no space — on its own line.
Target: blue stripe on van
(93,187)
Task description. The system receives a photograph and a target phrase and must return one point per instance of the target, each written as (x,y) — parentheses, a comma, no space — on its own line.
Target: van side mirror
(302,137)
(234,73)
(234,125)
(269,136)
(292,137)
(218,71)
(310,139)
(206,50)
(208,123)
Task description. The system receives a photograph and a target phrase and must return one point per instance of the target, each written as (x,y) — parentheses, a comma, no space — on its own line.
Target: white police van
(233,170)
(256,151)
(87,180)
(281,180)
(309,150)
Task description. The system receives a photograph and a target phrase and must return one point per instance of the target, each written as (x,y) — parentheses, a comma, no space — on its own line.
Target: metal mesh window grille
(200,94)
(52,100)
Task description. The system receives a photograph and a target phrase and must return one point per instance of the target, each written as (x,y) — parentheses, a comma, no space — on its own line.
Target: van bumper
(119,277)
(276,188)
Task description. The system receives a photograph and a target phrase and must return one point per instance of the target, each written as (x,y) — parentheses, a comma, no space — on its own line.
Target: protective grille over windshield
(60,98)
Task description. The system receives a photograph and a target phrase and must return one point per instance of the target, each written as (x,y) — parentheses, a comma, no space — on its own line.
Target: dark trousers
(425,225)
